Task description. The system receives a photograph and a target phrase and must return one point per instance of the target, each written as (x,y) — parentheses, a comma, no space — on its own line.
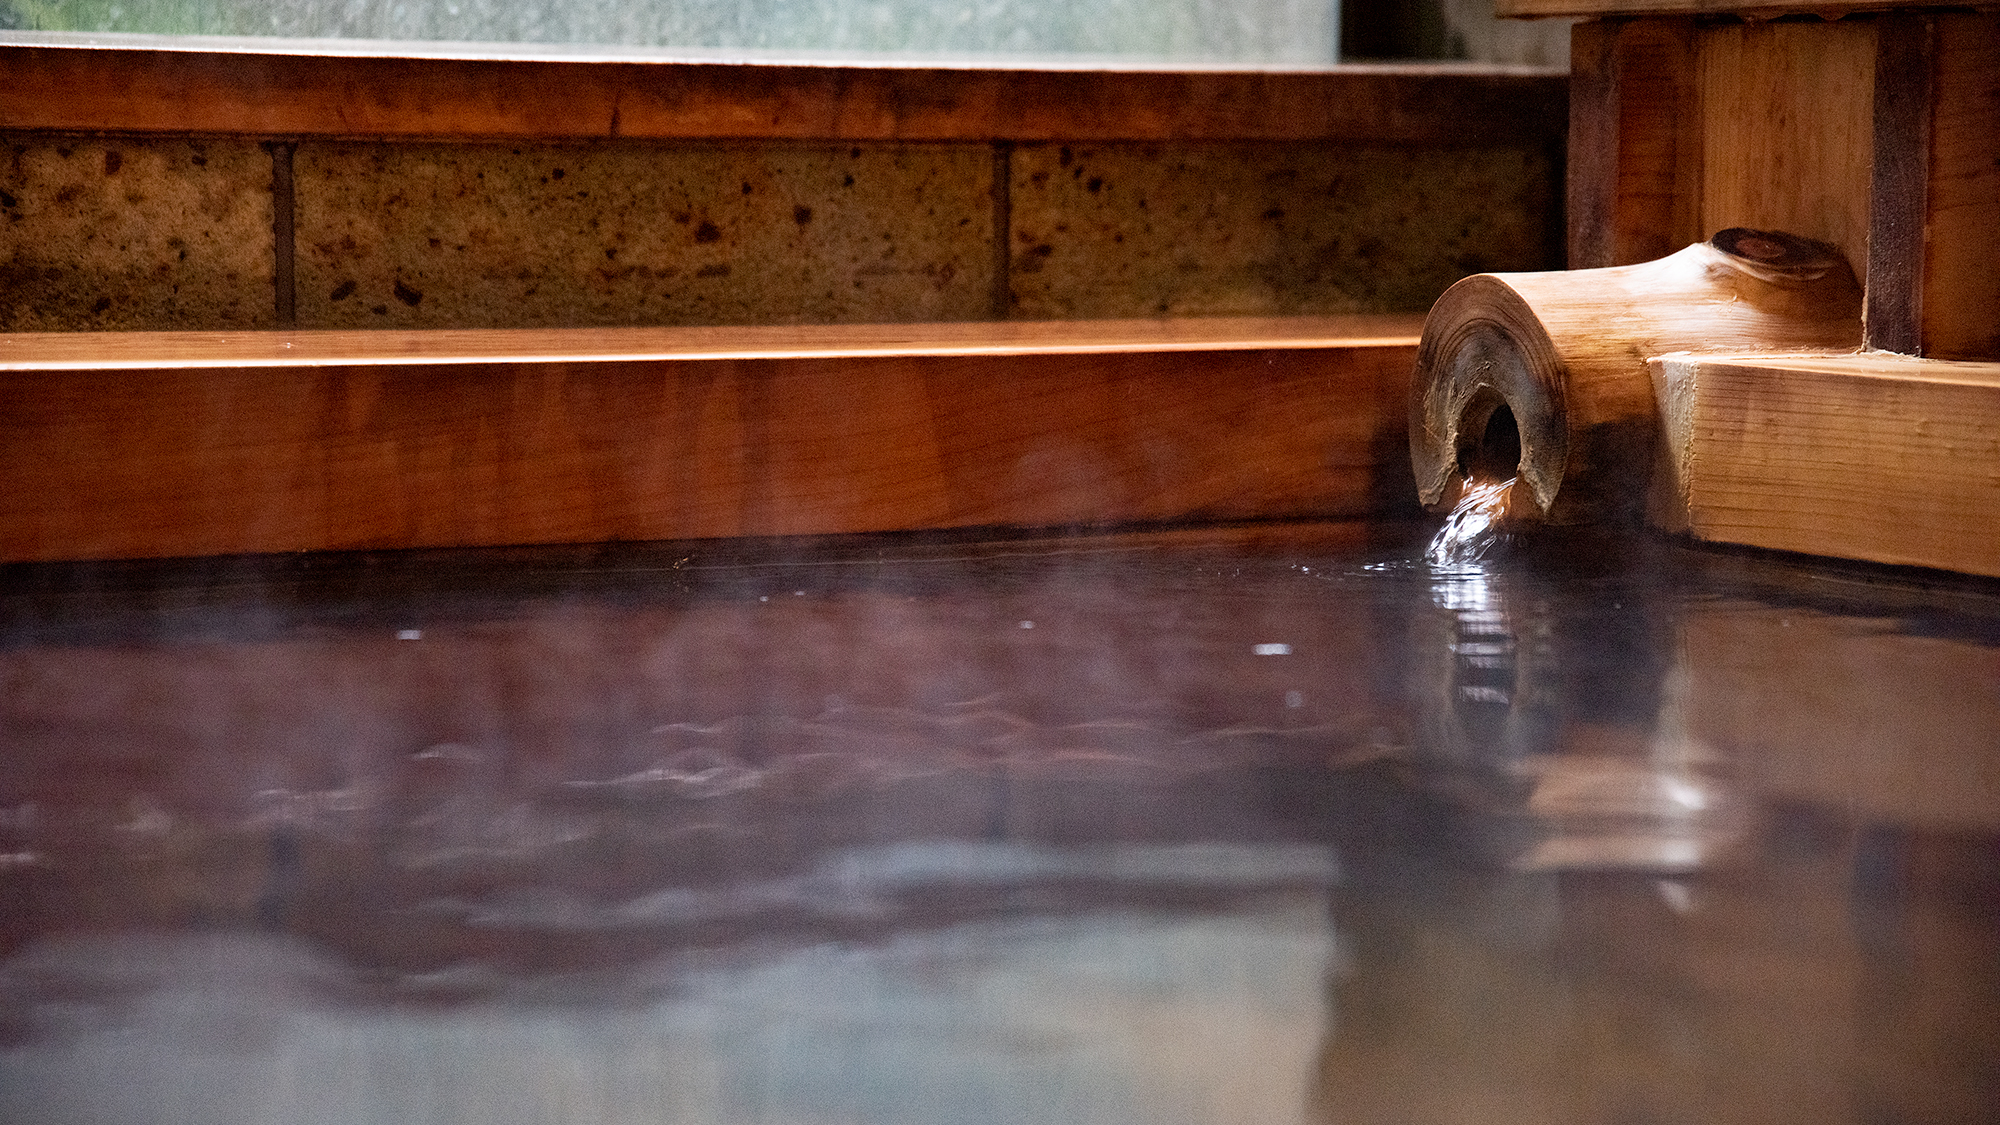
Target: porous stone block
(102,233)
(1270,229)
(482,235)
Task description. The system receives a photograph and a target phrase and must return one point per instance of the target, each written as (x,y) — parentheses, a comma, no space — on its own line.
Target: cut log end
(1488,397)
(1777,257)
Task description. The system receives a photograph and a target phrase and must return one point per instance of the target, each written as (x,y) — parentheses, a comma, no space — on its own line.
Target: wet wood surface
(158,445)
(308,90)
(1305,834)
(1823,709)
(1878,457)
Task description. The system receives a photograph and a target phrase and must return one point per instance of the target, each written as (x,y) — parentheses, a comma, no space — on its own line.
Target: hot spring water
(1233,826)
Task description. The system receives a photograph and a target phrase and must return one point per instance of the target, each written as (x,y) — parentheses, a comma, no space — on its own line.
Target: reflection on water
(1265,827)
(1611,781)
(1105,1015)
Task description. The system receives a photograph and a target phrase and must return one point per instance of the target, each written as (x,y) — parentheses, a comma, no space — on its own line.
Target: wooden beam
(1787,128)
(304,92)
(1961,283)
(1878,457)
(1900,189)
(1758,9)
(154,445)
(1634,141)
(137,351)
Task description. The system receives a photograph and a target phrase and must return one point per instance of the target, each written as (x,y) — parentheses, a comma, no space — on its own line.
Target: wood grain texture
(301,94)
(1900,189)
(1595,96)
(1878,457)
(1880,135)
(1634,148)
(42,351)
(1566,353)
(1961,284)
(1762,9)
(355,441)
(1788,121)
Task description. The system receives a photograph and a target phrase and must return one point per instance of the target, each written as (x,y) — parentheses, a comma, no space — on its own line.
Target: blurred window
(1174,32)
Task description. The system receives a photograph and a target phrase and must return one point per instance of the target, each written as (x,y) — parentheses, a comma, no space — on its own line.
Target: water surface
(1263,825)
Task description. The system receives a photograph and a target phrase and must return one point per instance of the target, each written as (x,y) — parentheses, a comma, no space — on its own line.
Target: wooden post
(1634,140)
(1961,286)
(1894,316)
(1934,213)
(1870,124)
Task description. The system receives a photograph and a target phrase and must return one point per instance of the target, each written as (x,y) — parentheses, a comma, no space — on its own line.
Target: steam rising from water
(1218,839)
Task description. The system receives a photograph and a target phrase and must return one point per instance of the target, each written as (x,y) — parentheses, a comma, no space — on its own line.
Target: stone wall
(109,232)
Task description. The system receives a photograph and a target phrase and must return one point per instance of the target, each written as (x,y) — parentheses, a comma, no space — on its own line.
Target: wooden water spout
(1546,373)
(1786,408)
(1723,392)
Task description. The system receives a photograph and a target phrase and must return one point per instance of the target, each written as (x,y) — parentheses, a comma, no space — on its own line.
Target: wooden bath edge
(163,445)
(1873,456)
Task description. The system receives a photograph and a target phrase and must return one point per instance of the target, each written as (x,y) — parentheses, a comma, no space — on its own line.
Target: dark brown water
(1284,825)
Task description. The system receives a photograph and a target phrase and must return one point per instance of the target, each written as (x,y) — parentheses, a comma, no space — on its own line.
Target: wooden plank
(1961,285)
(270,90)
(43,351)
(1760,9)
(1595,97)
(1900,188)
(1634,152)
(380,440)
(1788,121)
(1872,456)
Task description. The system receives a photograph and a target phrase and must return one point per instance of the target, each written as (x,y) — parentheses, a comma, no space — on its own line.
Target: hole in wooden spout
(1489,439)
(1496,456)
(1483,351)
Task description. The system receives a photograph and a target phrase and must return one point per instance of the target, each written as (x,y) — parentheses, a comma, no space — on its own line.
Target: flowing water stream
(1476,524)
(1258,825)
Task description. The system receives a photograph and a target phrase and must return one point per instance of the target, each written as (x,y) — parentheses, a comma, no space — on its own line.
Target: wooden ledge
(160,445)
(1752,9)
(1873,456)
(1868,365)
(51,351)
(174,87)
